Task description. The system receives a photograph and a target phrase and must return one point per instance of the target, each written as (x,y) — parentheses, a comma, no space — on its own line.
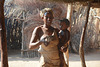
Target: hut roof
(70,1)
(12,11)
(94,3)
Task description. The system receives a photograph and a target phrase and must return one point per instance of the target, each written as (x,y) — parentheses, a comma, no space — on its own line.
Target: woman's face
(48,17)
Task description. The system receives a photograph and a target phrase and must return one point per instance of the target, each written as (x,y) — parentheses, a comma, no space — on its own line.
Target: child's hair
(66,21)
(43,11)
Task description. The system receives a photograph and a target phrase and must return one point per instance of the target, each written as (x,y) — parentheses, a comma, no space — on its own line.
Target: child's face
(63,26)
(48,17)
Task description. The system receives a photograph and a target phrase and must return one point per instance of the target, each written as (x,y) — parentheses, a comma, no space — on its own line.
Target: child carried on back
(64,36)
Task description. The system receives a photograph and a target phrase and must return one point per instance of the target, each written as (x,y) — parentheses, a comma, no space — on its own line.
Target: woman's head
(47,16)
(43,11)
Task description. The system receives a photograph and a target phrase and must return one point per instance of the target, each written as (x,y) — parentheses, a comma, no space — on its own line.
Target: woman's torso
(50,52)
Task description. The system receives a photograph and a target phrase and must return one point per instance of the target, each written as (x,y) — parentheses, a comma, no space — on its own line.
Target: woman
(45,37)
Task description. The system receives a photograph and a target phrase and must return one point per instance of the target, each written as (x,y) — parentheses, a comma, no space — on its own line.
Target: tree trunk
(4,56)
(81,50)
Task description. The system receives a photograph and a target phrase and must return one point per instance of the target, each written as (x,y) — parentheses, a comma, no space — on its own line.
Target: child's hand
(63,49)
(61,33)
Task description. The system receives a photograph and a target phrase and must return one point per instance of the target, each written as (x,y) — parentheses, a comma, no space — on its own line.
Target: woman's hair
(66,21)
(43,11)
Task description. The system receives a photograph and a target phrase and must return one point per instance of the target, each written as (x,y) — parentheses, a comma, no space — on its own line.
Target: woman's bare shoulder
(38,27)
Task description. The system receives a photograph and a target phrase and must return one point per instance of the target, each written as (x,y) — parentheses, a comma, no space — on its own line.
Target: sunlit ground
(92,60)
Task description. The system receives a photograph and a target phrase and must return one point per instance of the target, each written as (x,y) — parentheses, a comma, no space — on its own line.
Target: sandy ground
(92,60)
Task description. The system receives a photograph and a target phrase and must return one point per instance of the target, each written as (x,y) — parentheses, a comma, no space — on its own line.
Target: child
(64,36)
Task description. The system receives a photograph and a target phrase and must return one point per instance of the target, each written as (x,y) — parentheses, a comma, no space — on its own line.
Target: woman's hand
(45,41)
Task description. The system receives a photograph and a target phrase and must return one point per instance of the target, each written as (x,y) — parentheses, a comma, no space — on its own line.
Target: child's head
(64,24)
(47,15)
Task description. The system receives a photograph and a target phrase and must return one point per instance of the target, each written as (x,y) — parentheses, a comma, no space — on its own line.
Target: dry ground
(92,60)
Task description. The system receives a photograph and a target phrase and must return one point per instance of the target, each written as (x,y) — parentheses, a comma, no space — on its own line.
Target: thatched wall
(14,35)
(92,39)
(13,23)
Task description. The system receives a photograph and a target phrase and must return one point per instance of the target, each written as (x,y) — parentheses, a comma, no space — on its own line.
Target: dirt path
(92,60)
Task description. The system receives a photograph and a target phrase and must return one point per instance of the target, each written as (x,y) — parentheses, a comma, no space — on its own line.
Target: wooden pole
(22,48)
(81,50)
(4,55)
(69,15)
(97,21)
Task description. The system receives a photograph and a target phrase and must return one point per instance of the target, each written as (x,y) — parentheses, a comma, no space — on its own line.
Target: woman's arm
(35,36)
(34,45)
